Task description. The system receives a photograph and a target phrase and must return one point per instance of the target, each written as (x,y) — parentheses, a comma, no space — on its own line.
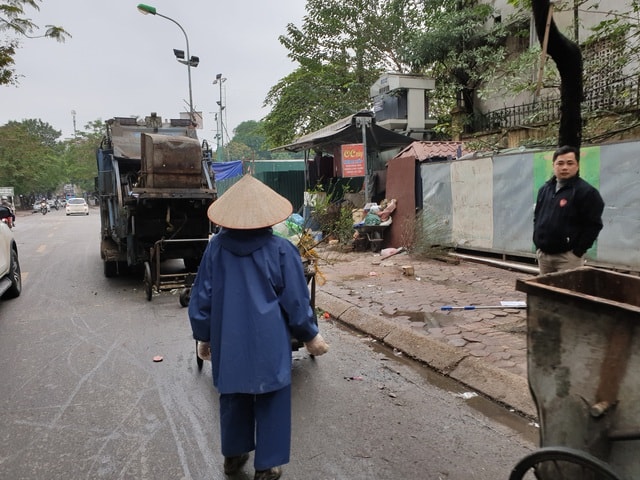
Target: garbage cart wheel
(148,283)
(561,462)
(185,295)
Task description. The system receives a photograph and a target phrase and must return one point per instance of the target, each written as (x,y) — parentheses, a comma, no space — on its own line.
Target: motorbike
(44,207)
(6,216)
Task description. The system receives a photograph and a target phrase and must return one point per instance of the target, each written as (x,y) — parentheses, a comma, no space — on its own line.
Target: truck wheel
(110,269)
(15,276)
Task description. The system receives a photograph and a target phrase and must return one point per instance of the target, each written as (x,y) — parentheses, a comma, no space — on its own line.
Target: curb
(499,385)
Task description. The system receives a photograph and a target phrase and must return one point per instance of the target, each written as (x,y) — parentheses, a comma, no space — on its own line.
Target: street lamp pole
(146,10)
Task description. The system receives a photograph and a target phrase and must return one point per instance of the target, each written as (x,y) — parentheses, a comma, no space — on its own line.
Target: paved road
(81,397)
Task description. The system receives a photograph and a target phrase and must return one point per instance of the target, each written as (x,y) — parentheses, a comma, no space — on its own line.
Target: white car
(77,206)
(10,277)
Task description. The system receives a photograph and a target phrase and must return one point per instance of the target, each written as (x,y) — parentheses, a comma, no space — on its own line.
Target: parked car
(10,276)
(77,206)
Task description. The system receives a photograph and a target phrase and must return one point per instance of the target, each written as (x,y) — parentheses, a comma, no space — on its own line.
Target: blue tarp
(224,170)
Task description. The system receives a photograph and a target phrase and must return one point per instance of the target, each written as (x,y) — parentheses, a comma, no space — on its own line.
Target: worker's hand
(317,346)
(204,350)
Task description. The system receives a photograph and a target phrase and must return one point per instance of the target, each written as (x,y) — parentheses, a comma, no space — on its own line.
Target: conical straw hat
(249,204)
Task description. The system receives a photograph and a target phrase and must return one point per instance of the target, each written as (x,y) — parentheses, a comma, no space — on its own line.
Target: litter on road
(504,304)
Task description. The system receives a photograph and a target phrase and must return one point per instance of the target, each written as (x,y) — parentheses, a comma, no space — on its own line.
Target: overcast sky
(121,63)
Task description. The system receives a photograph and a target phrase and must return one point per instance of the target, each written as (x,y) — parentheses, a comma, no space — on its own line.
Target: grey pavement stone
(484,349)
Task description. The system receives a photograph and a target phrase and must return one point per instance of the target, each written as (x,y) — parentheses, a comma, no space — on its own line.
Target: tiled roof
(424,150)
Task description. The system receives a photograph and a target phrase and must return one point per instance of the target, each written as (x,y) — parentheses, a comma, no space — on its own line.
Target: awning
(345,131)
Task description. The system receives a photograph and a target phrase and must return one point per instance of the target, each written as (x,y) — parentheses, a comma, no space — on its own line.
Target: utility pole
(365,122)
(73,114)
(219,80)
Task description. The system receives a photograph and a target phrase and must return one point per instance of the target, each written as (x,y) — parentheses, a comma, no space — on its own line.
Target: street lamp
(180,56)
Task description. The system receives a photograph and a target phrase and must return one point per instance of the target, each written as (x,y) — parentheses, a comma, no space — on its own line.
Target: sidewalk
(483,348)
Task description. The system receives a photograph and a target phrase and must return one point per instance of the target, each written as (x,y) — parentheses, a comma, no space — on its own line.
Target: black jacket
(567,220)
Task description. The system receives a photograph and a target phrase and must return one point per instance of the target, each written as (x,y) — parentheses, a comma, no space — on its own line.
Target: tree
(34,162)
(251,134)
(239,151)
(341,49)
(13,20)
(79,156)
(463,47)
(45,133)
(28,161)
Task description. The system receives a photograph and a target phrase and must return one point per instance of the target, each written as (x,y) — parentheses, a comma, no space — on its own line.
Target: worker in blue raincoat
(249,297)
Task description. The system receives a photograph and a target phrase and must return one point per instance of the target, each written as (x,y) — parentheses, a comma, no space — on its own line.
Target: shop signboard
(353,161)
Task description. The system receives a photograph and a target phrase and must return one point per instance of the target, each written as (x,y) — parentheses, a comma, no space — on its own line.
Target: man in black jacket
(568,215)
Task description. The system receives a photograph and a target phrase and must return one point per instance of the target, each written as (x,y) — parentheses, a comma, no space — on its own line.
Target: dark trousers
(257,422)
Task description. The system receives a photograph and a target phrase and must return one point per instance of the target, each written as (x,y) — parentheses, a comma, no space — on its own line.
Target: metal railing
(619,96)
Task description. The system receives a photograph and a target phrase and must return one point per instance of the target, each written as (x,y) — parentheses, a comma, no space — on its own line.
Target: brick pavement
(377,287)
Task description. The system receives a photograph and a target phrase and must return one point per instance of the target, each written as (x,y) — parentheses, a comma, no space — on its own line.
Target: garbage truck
(154,187)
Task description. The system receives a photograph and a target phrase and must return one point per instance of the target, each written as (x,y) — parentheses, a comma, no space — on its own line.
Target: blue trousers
(257,422)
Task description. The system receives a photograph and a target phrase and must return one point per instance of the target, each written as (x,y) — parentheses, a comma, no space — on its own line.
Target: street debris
(390,252)
(503,304)
(466,395)
(408,270)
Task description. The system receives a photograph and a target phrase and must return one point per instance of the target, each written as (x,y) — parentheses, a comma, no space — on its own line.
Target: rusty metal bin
(583,361)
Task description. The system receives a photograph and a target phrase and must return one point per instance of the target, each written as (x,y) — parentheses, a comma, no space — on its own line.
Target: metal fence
(620,96)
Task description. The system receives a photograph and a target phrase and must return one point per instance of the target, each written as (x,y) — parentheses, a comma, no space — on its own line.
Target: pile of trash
(293,230)
(374,214)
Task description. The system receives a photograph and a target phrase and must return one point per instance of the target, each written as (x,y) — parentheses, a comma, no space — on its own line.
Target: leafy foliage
(79,156)
(35,162)
(13,20)
(310,98)
(462,47)
(333,214)
(28,161)
(341,49)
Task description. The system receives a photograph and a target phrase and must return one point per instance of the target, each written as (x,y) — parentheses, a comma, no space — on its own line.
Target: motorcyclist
(4,201)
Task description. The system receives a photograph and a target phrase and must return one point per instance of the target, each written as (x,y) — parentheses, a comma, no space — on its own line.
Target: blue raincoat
(249,296)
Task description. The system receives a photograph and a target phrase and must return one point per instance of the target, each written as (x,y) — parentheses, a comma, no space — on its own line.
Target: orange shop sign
(353,161)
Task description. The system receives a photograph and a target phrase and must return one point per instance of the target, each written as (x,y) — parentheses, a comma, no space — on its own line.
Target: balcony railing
(620,96)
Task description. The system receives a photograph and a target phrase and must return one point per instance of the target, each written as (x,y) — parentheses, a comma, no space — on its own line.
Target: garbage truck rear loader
(154,189)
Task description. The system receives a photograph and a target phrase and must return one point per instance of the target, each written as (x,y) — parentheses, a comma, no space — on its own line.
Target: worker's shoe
(271,474)
(234,464)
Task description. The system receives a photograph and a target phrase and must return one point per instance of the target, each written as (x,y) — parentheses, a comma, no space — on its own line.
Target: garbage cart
(583,356)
